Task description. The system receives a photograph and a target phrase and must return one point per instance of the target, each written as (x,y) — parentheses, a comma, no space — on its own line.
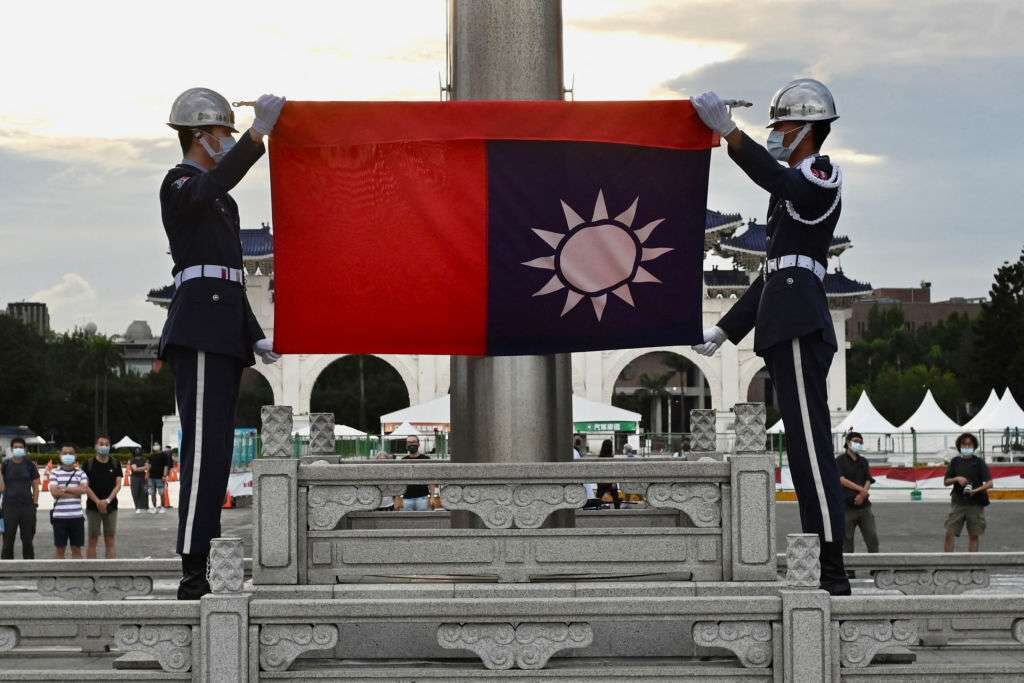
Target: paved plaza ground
(902,527)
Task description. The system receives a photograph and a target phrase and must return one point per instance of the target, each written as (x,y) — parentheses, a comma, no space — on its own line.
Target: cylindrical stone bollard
(803,566)
(750,427)
(277,431)
(225,570)
(321,433)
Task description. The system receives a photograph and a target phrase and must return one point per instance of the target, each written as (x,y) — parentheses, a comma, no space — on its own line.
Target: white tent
(585,410)
(864,418)
(991,403)
(777,428)
(35,441)
(929,418)
(404,430)
(126,442)
(1006,414)
(340,431)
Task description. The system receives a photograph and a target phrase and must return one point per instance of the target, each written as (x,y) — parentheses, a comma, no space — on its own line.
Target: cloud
(71,296)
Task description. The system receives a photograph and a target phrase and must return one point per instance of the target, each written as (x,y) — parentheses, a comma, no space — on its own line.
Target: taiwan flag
(488,228)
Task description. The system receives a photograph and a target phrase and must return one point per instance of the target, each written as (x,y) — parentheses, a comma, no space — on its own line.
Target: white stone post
(321,434)
(275,502)
(224,615)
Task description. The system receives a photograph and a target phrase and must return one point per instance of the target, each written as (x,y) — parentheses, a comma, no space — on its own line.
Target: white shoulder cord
(834,182)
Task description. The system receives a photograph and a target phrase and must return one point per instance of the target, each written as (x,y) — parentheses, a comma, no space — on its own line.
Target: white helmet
(804,99)
(201,107)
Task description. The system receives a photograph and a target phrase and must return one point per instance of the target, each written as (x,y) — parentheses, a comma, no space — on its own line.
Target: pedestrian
(67,485)
(156,475)
(139,468)
(970,478)
(786,305)
(593,502)
(608,492)
(416,496)
(19,484)
(855,477)
(211,332)
(105,478)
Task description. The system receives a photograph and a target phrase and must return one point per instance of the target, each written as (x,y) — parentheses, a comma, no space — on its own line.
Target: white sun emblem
(598,256)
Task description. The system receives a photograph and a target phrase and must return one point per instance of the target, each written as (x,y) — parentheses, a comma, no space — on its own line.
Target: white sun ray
(626,217)
(572,219)
(624,294)
(599,302)
(651,253)
(643,276)
(643,233)
(600,210)
(552,238)
(553,285)
(571,299)
(544,262)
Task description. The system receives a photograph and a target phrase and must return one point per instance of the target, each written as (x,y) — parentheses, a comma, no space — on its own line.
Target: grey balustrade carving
(321,433)
(225,569)
(93,588)
(701,502)
(702,429)
(280,644)
(1017,630)
(170,645)
(502,506)
(750,641)
(8,638)
(326,505)
(276,432)
(750,427)
(927,581)
(503,646)
(803,564)
(860,641)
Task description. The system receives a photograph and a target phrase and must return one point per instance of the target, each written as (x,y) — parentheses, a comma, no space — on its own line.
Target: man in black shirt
(159,463)
(417,496)
(855,476)
(969,476)
(105,477)
(19,483)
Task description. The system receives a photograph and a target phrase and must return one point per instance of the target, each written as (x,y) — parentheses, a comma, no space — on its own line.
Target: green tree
(998,350)
(22,371)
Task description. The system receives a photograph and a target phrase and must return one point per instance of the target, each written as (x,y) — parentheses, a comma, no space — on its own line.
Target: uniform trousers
(799,370)
(206,387)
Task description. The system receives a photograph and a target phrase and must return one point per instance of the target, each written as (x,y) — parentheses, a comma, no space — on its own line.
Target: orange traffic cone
(166,498)
(229,501)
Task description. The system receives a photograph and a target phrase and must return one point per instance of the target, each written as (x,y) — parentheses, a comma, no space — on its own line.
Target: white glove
(714,112)
(268,108)
(714,337)
(264,348)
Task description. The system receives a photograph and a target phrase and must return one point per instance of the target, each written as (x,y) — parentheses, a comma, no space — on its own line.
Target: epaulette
(822,172)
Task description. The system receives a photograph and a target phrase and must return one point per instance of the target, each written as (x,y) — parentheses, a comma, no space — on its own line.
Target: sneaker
(152,511)
(161,509)
(138,511)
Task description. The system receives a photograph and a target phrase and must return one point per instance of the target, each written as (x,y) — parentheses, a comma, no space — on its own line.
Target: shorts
(973,515)
(98,520)
(156,485)
(69,532)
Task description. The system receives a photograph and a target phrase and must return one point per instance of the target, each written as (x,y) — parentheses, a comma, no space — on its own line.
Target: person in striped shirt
(67,485)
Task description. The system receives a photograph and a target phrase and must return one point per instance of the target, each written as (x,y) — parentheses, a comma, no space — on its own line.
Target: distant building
(138,348)
(919,311)
(33,314)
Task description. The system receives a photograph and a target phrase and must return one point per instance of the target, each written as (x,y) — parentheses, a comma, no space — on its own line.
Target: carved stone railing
(301,511)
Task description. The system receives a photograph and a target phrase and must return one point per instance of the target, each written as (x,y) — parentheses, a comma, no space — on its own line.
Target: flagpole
(519,408)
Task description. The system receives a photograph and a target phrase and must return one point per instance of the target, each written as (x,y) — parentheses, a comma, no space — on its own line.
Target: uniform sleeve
(787,183)
(183,193)
(739,320)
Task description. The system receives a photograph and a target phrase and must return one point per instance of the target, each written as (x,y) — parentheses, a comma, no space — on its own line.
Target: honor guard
(786,305)
(211,332)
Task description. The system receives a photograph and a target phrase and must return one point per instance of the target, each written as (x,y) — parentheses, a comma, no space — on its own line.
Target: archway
(663,387)
(761,390)
(254,393)
(358,390)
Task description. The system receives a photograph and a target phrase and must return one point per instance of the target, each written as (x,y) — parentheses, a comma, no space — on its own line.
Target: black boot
(193,577)
(833,572)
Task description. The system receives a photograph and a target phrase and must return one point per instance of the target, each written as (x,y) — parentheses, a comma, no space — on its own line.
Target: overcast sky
(929,94)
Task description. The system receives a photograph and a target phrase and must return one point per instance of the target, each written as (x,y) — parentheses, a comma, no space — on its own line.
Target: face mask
(966,451)
(856,447)
(776,146)
(17,452)
(412,448)
(225,145)
(67,459)
(103,450)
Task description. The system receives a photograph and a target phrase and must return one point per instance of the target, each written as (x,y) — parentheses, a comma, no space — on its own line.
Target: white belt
(795,261)
(215,272)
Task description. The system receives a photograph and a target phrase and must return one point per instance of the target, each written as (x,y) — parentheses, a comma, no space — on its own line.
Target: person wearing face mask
(19,484)
(970,478)
(105,477)
(67,484)
(855,477)
(416,496)
(211,333)
(786,305)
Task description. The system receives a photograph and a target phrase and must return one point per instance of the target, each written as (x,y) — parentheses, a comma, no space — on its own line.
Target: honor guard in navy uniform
(211,332)
(786,305)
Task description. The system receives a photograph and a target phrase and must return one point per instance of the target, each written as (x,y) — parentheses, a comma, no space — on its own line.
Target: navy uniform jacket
(202,226)
(791,302)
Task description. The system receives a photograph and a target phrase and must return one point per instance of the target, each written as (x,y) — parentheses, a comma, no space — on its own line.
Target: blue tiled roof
(716,219)
(755,239)
(837,284)
(165,293)
(733,277)
(257,242)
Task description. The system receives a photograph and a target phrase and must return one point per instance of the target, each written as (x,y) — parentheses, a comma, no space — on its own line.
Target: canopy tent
(929,418)
(991,403)
(404,430)
(126,442)
(436,411)
(777,428)
(865,418)
(1007,414)
(35,441)
(340,431)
